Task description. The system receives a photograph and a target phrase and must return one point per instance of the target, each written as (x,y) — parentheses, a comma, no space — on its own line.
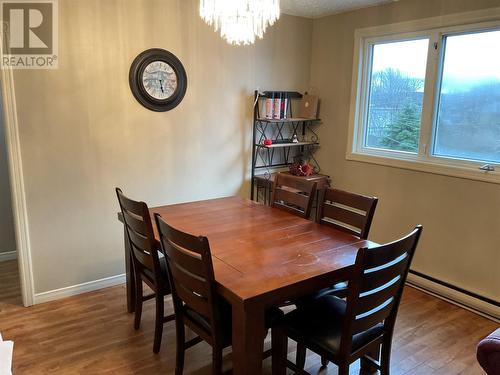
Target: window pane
(468,122)
(396,95)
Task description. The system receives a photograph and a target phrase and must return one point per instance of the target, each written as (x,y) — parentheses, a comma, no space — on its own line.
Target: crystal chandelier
(240,21)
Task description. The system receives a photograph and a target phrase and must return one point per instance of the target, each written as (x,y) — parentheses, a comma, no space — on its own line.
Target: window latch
(487,168)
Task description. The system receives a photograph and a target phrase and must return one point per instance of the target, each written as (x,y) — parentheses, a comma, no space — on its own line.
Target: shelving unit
(294,119)
(290,144)
(277,157)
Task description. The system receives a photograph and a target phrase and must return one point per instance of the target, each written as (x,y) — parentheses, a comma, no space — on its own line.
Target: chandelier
(240,21)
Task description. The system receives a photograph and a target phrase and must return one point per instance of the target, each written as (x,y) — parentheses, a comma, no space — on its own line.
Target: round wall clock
(158,80)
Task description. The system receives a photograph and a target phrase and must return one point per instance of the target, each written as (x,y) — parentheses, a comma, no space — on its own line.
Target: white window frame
(434,29)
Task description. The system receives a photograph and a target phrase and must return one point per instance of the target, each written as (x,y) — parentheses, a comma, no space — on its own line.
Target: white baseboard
(73,290)
(453,296)
(8,255)
(437,290)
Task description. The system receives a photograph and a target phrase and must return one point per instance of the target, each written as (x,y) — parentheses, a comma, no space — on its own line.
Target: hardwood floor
(93,334)
(10,290)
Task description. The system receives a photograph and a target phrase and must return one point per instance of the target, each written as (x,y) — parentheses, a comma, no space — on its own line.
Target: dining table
(262,257)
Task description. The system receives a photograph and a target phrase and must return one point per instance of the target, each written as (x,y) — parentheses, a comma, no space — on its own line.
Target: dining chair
(348,212)
(343,331)
(293,194)
(147,265)
(196,302)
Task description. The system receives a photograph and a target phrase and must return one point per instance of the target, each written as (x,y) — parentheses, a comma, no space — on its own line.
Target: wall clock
(158,80)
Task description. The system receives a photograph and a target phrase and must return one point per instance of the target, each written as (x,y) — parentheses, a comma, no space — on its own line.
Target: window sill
(427,166)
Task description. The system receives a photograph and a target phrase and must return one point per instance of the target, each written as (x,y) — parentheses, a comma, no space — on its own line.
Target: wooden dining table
(262,257)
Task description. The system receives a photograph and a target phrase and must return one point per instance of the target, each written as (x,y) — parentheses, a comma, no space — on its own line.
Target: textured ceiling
(320,8)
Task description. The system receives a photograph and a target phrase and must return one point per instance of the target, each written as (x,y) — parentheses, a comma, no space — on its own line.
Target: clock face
(159,80)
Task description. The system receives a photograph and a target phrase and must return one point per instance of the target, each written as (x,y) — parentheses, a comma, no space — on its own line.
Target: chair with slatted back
(343,331)
(293,194)
(196,303)
(349,212)
(346,211)
(147,265)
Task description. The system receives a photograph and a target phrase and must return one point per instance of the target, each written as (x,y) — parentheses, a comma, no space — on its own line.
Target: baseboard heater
(454,294)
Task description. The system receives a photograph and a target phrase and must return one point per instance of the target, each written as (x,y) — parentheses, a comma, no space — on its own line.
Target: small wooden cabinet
(264,187)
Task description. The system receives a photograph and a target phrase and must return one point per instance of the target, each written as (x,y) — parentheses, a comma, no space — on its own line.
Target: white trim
(457,19)
(434,28)
(471,173)
(457,298)
(74,290)
(17,184)
(8,255)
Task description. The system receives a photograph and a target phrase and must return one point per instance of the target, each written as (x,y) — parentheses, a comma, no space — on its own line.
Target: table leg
(248,339)
(279,351)
(129,274)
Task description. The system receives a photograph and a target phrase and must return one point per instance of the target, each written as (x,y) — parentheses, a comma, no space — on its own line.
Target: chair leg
(385,360)
(324,362)
(300,360)
(138,300)
(216,361)
(366,366)
(181,347)
(279,347)
(158,321)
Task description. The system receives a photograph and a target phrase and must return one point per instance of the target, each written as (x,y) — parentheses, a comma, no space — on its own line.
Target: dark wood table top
(258,250)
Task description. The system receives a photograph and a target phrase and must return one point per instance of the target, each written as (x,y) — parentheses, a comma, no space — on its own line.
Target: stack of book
(277,106)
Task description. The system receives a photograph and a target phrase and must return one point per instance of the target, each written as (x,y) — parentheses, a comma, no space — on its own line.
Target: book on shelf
(284,107)
(269,108)
(276,107)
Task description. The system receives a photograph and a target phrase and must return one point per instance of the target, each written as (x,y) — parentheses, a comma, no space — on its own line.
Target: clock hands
(161,86)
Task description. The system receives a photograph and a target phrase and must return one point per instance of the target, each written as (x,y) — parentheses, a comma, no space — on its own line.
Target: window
(396,95)
(429,99)
(468,120)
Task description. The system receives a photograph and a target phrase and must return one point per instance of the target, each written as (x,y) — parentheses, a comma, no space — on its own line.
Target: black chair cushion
(163,270)
(338,290)
(320,324)
(203,322)
(272,316)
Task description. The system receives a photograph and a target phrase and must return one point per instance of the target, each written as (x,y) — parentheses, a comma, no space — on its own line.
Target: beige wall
(7,237)
(82,132)
(461,218)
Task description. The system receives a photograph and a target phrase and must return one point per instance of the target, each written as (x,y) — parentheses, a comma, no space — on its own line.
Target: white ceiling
(321,8)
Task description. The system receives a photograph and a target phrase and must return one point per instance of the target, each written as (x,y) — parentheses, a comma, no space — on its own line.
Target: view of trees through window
(396,95)
(468,123)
